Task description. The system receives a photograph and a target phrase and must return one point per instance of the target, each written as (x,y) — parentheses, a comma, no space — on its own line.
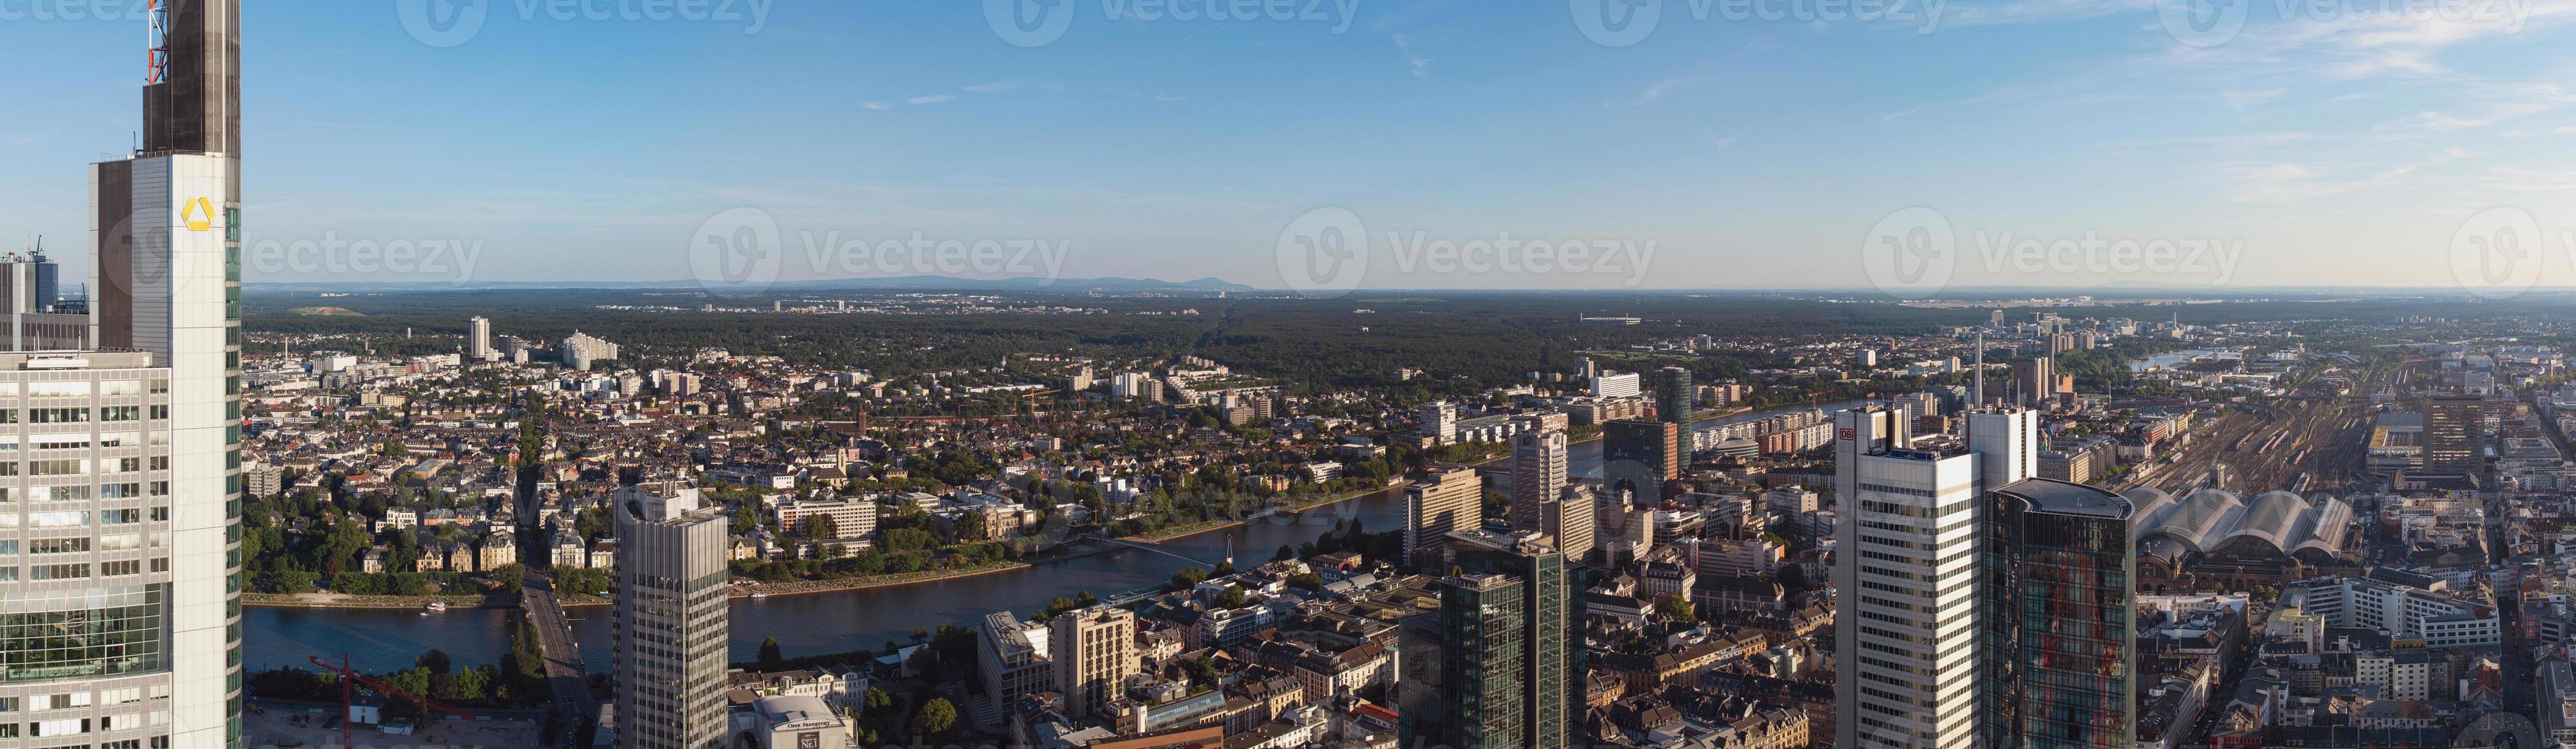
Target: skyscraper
(2034,380)
(166,225)
(478,344)
(1440,501)
(2454,434)
(1440,422)
(2059,634)
(1538,474)
(1640,457)
(1675,400)
(1906,632)
(1500,665)
(671,619)
(1568,522)
(88,622)
(1095,652)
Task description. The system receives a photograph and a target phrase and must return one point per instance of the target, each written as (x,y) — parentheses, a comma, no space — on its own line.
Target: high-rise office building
(1675,400)
(2454,434)
(478,343)
(1441,501)
(29,295)
(1095,652)
(1500,665)
(1568,521)
(2059,630)
(2033,380)
(166,231)
(29,283)
(1907,624)
(1640,457)
(672,628)
(1440,422)
(1538,474)
(88,576)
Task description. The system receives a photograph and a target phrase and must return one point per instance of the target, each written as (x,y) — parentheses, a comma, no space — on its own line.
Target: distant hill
(325,312)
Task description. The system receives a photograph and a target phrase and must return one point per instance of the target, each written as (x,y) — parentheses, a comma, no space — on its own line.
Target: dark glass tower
(1502,661)
(2060,631)
(1675,400)
(1640,457)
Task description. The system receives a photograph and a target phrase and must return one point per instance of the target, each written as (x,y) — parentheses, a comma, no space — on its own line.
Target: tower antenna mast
(157,67)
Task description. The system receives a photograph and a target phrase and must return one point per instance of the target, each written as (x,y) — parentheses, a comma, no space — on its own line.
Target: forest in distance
(1469,341)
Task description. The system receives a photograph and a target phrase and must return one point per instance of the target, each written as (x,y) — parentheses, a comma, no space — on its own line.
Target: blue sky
(2331,145)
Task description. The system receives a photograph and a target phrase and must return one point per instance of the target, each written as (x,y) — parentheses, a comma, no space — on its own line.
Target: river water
(828,622)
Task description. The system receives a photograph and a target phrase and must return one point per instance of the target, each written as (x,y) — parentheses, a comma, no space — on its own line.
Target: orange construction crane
(349,681)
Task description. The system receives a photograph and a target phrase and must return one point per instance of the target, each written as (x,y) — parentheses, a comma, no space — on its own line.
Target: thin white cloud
(1894,116)
(2242,99)
(932,99)
(990,88)
(1726,142)
(879,105)
(1421,62)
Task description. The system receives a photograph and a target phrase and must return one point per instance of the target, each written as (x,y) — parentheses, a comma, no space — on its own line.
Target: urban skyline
(740,441)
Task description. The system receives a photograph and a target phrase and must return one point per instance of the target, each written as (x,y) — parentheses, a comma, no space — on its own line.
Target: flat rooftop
(2063,498)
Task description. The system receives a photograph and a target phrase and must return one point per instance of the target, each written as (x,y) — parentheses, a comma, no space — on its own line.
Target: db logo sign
(1844,434)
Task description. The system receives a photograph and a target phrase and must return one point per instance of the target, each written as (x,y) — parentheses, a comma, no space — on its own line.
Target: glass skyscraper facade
(1501,664)
(2060,630)
(86,573)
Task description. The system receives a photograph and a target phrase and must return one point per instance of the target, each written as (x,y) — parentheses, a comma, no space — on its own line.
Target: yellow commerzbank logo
(200,214)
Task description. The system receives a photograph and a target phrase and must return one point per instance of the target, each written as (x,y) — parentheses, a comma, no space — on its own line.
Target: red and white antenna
(158,67)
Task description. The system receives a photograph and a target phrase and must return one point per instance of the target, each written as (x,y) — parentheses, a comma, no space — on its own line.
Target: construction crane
(349,681)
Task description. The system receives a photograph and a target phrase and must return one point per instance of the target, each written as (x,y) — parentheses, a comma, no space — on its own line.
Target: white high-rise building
(581,349)
(1907,565)
(1538,476)
(166,231)
(478,344)
(1440,422)
(671,619)
(1616,385)
(92,570)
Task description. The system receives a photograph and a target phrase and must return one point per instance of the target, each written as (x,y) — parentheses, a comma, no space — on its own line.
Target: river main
(835,622)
